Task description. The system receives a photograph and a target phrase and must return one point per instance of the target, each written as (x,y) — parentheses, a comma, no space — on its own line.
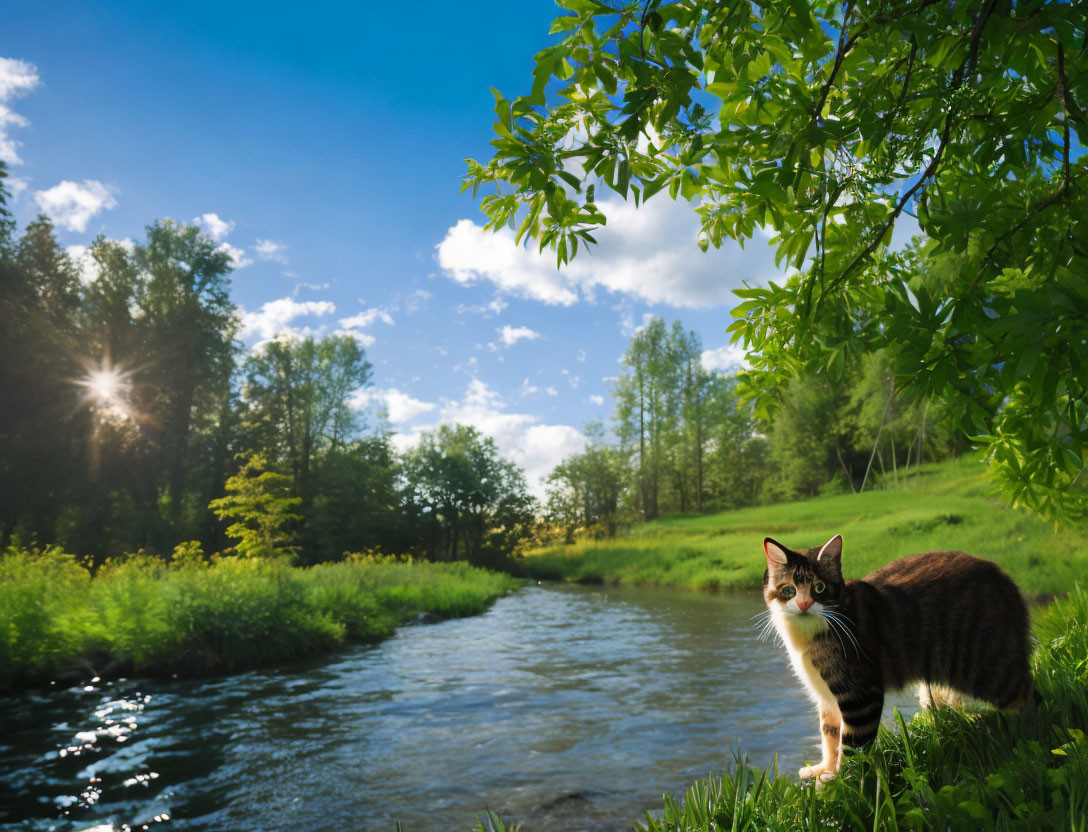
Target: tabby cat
(952,622)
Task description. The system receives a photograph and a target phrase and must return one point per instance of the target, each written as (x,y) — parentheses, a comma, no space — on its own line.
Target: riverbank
(943,506)
(143,616)
(948,770)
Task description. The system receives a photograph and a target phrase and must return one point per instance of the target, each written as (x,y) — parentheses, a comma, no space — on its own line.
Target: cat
(955,623)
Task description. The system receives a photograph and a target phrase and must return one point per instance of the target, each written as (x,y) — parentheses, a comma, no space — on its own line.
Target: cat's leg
(1020,695)
(860,707)
(931,695)
(831,732)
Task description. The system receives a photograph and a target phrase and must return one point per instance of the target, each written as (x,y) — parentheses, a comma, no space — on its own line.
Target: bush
(192,616)
(44,624)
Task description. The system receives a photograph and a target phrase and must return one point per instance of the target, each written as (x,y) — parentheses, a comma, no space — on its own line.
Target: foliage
(826,123)
(468,501)
(260,503)
(945,770)
(585,489)
(355,502)
(931,507)
(141,614)
(297,392)
(40,629)
(850,430)
(682,425)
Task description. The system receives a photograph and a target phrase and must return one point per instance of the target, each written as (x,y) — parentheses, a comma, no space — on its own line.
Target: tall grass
(946,769)
(191,617)
(946,506)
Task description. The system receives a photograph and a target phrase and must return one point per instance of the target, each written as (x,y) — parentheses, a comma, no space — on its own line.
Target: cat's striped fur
(948,620)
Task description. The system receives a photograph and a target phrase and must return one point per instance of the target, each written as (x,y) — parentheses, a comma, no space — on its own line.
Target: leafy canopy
(828,123)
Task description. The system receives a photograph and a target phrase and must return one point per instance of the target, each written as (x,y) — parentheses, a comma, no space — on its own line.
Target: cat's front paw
(821,772)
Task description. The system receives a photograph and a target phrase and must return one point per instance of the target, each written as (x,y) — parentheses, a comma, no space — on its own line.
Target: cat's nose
(804,605)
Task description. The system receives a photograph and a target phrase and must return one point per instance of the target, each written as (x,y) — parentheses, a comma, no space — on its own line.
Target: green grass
(144,616)
(945,506)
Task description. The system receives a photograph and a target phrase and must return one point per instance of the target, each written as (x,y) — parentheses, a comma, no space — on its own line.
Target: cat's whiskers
(833,627)
(765,621)
(844,624)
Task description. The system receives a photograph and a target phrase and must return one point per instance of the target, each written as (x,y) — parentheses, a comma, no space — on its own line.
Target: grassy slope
(140,615)
(944,506)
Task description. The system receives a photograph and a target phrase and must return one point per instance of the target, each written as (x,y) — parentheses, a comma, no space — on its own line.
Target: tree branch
(958,80)
(845,45)
(1060,92)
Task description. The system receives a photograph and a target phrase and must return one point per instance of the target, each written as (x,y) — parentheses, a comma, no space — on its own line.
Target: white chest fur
(796,632)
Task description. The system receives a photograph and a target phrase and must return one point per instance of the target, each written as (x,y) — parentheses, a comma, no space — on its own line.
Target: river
(563,707)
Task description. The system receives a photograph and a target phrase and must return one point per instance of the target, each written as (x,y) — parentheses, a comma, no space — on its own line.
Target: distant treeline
(127,404)
(685,441)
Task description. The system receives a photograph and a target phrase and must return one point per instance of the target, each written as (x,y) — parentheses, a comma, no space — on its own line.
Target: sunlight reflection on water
(564,707)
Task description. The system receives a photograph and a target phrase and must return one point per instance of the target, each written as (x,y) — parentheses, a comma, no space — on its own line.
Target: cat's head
(803,581)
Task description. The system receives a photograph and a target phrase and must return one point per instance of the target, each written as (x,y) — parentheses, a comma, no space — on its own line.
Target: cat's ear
(775,552)
(831,552)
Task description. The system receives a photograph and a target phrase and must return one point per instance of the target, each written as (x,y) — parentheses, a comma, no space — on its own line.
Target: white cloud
(647,253)
(238,259)
(415,301)
(510,335)
(214,226)
(399,406)
(363,338)
(488,310)
(17,78)
(71,205)
(597,400)
(271,251)
(520,437)
(581,356)
(367,317)
(551,391)
(528,389)
(317,287)
(275,316)
(727,359)
(16,185)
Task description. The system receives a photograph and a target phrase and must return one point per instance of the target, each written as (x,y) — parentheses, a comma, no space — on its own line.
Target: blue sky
(323,142)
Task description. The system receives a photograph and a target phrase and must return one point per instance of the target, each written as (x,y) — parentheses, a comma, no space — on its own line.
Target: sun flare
(106,388)
(103,385)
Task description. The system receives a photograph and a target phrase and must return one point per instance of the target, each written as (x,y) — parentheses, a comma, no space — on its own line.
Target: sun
(106,388)
(103,385)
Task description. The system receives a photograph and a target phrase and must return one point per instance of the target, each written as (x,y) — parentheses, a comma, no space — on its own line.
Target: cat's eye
(787,592)
(819,586)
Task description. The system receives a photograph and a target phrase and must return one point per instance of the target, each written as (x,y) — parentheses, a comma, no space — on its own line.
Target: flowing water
(565,708)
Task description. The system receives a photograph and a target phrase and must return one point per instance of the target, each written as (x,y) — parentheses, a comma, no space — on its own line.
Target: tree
(828,122)
(584,490)
(260,503)
(463,498)
(298,393)
(644,395)
(39,345)
(356,502)
(188,322)
(737,455)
